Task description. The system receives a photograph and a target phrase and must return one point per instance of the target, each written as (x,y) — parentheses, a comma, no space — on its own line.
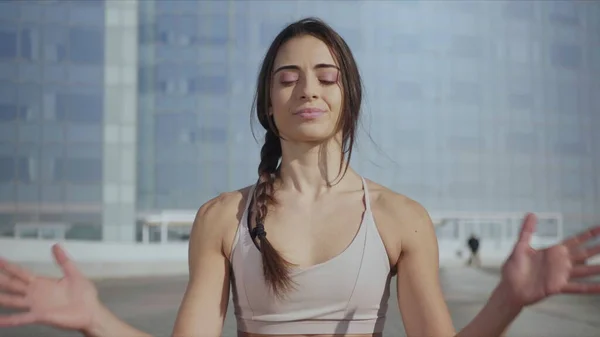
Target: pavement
(150,304)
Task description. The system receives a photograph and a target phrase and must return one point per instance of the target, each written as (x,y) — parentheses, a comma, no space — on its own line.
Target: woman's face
(306,94)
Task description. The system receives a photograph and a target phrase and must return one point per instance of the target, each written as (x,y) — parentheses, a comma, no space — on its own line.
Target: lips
(309,113)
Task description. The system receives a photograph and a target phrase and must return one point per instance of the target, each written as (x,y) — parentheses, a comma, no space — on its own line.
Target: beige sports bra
(347,294)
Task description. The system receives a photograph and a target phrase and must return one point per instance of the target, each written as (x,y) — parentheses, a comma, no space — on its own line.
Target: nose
(309,89)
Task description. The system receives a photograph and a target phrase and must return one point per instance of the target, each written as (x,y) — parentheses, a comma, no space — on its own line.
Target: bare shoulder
(401,220)
(217,219)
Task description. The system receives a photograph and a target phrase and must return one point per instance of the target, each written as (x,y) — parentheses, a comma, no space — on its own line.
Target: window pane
(52,193)
(86,74)
(566,56)
(210,84)
(78,170)
(7,169)
(520,10)
(8,131)
(83,193)
(177,29)
(172,128)
(8,112)
(30,43)
(28,193)
(83,133)
(30,102)
(54,43)
(8,43)
(30,132)
(214,29)
(50,154)
(9,10)
(467,46)
(79,106)
(7,190)
(86,45)
(87,13)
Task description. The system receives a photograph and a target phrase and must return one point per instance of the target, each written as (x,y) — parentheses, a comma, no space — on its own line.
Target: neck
(312,168)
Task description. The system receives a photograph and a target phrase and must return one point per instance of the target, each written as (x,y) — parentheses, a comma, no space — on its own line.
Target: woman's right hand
(67,303)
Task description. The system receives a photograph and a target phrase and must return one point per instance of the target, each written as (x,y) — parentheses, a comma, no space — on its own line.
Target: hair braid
(275,267)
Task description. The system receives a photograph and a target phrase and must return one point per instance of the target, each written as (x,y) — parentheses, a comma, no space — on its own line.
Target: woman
(314,247)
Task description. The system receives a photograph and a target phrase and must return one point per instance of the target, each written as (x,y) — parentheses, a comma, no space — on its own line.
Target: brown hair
(275,267)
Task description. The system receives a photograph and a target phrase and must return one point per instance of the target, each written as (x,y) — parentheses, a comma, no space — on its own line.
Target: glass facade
(51,115)
(472,106)
(112,108)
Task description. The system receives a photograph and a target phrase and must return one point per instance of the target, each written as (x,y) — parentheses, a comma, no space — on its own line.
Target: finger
(582,237)
(12,284)
(66,264)
(527,229)
(13,301)
(17,319)
(15,271)
(581,288)
(580,255)
(585,271)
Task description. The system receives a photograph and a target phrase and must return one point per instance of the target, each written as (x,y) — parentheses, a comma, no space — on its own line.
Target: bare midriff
(246,334)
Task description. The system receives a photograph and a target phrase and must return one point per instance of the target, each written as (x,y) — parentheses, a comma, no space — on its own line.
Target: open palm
(533,275)
(63,303)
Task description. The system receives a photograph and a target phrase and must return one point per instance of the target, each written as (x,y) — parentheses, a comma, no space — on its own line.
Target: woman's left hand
(530,275)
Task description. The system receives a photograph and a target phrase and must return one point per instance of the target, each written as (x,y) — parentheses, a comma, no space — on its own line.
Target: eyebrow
(295,67)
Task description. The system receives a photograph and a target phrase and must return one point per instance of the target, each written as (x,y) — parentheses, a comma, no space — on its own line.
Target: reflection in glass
(86,45)
(8,44)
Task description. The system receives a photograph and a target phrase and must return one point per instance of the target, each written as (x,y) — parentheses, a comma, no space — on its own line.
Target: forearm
(106,324)
(495,317)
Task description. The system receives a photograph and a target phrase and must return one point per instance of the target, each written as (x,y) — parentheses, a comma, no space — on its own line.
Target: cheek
(334,100)
(279,102)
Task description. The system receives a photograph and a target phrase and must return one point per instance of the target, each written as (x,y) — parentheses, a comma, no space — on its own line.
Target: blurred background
(118,119)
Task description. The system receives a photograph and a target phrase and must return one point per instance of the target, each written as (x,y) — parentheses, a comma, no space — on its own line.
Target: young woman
(310,249)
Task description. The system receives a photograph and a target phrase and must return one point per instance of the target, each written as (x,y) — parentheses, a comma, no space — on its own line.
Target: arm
(205,301)
(107,324)
(420,296)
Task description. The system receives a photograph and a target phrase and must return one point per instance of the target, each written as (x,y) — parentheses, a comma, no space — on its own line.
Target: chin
(310,136)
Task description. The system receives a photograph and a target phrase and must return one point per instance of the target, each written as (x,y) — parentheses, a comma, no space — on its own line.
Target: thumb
(66,264)
(527,229)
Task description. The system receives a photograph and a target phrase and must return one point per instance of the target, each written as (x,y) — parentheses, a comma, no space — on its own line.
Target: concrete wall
(100,259)
(119,259)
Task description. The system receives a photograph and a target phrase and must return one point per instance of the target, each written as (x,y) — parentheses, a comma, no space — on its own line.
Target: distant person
(473,244)
(335,239)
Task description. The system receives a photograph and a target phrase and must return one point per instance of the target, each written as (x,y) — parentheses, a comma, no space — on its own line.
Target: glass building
(109,109)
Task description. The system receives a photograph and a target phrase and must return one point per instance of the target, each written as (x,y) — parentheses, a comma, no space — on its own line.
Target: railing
(497,232)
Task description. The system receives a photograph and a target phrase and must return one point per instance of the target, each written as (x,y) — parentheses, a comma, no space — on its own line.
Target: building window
(7,169)
(85,108)
(55,40)
(209,84)
(179,30)
(214,29)
(268,31)
(519,142)
(408,91)
(566,56)
(86,45)
(520,10)
(210,135)
(520,101)
(405,44)
(466,93)
(8,44)
(9,112)
(78,170)
(464,46)
(564,13)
